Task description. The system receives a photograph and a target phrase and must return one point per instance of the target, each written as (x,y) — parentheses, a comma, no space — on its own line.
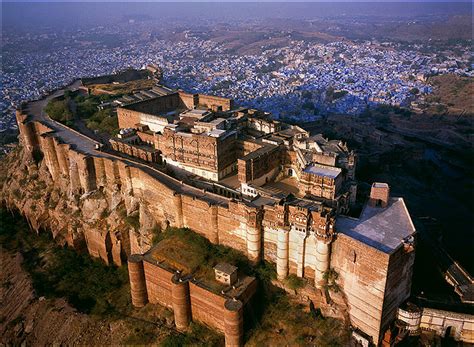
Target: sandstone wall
(398,284)
(362,275)
(189,299)
(211,101)
(127,118)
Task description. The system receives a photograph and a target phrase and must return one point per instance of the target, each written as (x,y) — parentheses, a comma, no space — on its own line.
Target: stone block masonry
(375,280)
(190,300)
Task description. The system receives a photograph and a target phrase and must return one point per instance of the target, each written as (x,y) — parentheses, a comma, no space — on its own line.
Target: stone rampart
(188,298)
(259,232)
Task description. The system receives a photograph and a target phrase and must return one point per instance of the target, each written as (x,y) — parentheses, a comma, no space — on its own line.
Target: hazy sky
(328,1)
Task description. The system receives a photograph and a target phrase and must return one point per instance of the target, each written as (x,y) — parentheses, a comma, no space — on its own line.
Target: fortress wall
(75,182)
(296,252)
(158,105)
(78,173)
(188,299)
(270,241)
(114,252)
(101,179)
(127,118)
(136,274)
(310,261)
(398,285)
(209,101)
(187,99)
(50,156)
(125,178)
(111,172)
(362,273)
(232,227)
(158,284)
(207,306)
(87,174)
(41,128)
(27,131)
(244,147)
(324,159)
(98,244)
(197,215)
(62,151)
(160,197)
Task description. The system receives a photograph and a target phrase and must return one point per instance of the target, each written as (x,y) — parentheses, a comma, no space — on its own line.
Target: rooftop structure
(384,228)
(207,137)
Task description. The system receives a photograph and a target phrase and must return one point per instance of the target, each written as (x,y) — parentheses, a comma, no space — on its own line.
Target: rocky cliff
(104,221)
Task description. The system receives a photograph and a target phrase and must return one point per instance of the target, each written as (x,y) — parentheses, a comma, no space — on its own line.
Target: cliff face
(106,221)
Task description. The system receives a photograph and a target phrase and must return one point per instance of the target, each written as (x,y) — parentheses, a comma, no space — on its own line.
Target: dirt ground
(31,320)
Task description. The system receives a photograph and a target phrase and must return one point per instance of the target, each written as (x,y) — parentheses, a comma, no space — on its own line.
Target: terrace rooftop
(382,228)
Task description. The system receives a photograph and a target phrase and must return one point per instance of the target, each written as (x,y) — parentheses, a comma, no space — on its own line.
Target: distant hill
(452,95)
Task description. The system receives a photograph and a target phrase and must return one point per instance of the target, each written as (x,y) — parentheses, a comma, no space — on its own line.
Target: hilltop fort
(238,178)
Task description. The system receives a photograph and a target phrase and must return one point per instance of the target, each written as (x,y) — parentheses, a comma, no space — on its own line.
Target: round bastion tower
(324,237)
(283,253)
(181,302)
(137,280)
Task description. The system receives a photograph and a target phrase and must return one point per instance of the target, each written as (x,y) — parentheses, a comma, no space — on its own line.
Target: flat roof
(381,228)
(320,170)
(225,267)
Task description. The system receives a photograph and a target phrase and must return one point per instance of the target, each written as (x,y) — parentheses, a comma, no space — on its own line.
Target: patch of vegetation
(332,94)
(58,109)
(190,252)
(453,92)
(287,323)
(133,220)
(73,105)
(294,282)
(141,333)
(124,87)
(89,285)
(103,121)
(331,277)
(198,335)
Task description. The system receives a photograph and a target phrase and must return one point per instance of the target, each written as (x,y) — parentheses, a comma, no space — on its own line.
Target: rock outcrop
(104,221)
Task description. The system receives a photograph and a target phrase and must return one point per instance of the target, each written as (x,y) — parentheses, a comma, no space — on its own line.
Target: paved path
(87,145)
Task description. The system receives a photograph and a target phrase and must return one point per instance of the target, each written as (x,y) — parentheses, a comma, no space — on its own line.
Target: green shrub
(58,109)
(133,221)
(294,282)
(88,284)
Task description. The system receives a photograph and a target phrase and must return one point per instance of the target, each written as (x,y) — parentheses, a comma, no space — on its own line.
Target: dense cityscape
(237,174)
(289,81)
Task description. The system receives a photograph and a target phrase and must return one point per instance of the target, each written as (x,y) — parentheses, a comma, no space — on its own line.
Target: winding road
(87,145)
